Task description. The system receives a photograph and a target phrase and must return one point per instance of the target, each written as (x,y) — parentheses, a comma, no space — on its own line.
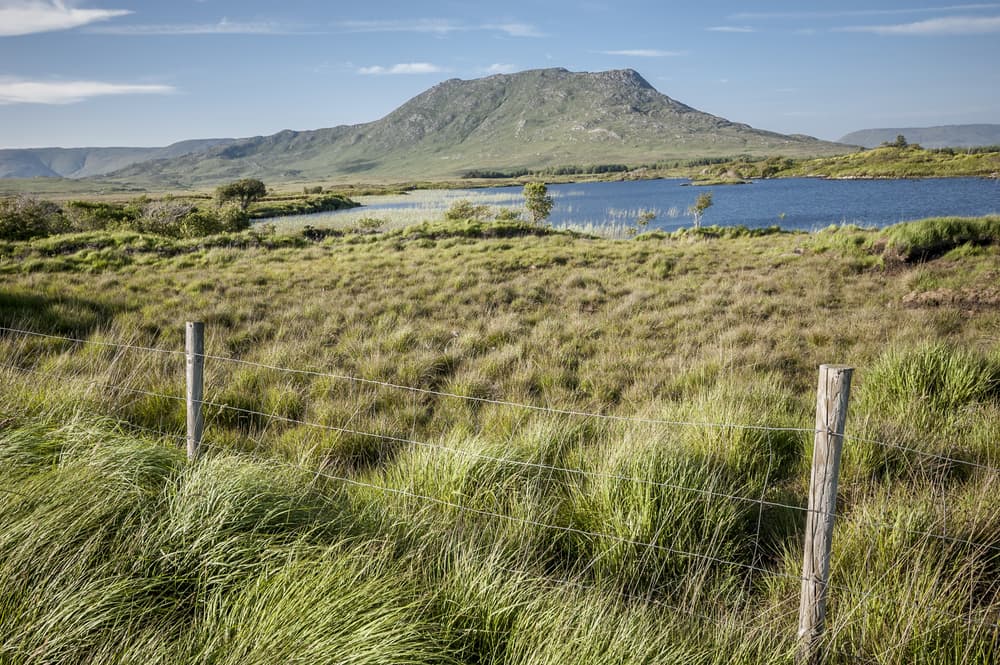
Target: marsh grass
(513,535)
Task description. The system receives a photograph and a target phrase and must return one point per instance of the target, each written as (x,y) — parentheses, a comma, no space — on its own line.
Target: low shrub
(24,218)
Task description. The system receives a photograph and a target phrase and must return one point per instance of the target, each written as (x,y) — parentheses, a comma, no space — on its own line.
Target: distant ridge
(88,162)
(944,136)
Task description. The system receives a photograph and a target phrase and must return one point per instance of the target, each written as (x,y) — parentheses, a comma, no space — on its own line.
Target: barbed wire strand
(925,453)
(544,525)
(437,393)
(596,474)
(623,540)
(78,340)
(508,403)
(551,468)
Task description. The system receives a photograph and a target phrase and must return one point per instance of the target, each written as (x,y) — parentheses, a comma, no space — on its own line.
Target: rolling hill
(532,119)
(945,136)
(89,162)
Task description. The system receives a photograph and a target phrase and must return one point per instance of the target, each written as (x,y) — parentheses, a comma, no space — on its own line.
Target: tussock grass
(513,535)
(929,238)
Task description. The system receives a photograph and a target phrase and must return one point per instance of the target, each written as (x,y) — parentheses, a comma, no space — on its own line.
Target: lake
(792,203)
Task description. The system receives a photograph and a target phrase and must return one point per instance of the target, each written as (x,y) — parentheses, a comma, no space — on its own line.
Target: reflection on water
(611,207)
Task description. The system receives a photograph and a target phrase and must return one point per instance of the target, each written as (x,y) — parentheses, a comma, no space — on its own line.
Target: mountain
(531,119)
(87,162)
(945,136)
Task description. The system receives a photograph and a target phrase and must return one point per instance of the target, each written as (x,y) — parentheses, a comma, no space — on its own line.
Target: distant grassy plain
(114,550)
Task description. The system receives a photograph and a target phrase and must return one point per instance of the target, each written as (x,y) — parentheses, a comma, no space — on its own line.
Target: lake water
(793,203)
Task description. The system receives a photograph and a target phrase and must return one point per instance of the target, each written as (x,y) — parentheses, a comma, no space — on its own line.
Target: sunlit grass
(510,535)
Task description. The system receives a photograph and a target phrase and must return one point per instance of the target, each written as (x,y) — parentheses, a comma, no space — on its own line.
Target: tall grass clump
(321,606)
(934,398)
(938,378)
(928,238)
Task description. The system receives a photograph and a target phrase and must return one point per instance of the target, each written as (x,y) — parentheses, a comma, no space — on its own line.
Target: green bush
(465,209)
(24,217)
(98,215)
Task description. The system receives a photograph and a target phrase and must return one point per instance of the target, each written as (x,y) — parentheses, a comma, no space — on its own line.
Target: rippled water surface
(793,203)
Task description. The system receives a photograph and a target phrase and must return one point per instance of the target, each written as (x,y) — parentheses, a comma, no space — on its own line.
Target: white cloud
(731,28)
(21,91)
(948,25)
(440,27)
(24,17)
(402,68)
(426,25)
(645,53)
(501,68)
(514,29)
(862,12)
(223,27)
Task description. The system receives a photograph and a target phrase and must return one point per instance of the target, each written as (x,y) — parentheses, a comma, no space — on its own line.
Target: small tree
(244,192)
(537,201)
(703,203)
(900,141)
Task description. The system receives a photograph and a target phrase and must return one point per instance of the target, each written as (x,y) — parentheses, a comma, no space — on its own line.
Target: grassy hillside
(89,162)
(533,119)
(479,532)
(909,162)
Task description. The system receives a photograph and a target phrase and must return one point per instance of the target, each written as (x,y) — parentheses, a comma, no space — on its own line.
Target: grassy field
(885,162)
(396,526)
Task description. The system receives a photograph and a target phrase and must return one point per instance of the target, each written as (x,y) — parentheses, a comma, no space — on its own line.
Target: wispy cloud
(440,27)
(847,13)
(222,27)
(426,25)
(731,28)
(514,29)
(501,68)
(24,17)
(948,25)
(645,53)
(402,68)
(21,91)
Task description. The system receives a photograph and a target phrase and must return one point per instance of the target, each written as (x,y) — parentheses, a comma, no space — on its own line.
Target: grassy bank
(475,531)
(910,161)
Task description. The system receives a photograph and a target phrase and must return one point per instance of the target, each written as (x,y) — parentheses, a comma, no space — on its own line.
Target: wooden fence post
(194,347)
(831,414)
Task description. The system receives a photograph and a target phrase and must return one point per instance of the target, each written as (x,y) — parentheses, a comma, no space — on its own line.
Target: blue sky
(123,72)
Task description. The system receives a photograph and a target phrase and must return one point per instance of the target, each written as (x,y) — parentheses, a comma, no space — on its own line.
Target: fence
(832,401)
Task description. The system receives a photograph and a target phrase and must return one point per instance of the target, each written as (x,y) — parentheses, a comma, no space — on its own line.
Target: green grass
(933,237)
(890,162)
(481,546)
(300,205)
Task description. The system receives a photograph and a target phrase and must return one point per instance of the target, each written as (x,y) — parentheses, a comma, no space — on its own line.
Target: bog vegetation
(462,534)
(25,217)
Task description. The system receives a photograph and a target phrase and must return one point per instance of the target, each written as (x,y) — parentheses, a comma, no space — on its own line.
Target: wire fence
(656,544)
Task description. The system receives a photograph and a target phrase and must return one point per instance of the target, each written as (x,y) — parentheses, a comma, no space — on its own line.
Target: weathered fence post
(831,414)
(194,347)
